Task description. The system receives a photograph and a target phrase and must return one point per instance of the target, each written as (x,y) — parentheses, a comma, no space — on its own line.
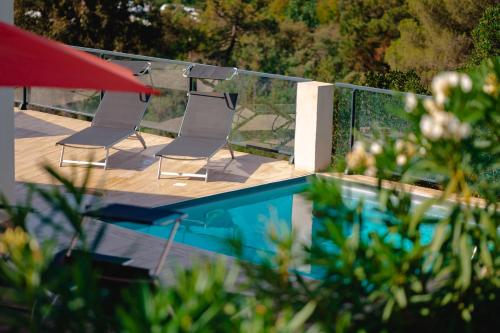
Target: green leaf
(418,214)
(400,296)
(466,315)
(465,261)
(388,309)
(343,322)
(301,317)
(440,234)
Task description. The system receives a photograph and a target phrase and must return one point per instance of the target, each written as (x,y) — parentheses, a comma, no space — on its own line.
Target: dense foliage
(329,40)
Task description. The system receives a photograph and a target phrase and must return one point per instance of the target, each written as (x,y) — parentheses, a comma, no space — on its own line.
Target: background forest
(395,44)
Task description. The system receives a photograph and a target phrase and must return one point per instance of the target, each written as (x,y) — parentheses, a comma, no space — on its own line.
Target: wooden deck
(131,178)
(131,174)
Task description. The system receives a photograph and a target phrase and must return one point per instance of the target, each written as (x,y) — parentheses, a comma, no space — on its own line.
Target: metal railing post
(101,55)
(24,104)
(192,83)
(353,118)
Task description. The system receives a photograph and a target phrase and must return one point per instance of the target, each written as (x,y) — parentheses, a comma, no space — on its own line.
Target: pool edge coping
(423,193)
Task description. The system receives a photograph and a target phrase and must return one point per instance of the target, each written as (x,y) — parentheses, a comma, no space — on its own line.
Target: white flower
(464,130)
(489,89)
(442,84)
(426,124)
(441,117)
(376,148)
(422,151)
(443,81)
(439,84)
(436,132)
(491,86)
(465,83)
(410,148)
(371,172)
(360,158)
(399,145)
(401,160)
(358,146)
(453,124)
(440,98)
(431,106)
(356,158)
(370,160)
(453,78)
(410,102)
(353,160)
(430,128)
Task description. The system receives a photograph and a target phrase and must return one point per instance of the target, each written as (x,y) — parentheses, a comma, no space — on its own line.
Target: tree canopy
(359,41)
(437,36)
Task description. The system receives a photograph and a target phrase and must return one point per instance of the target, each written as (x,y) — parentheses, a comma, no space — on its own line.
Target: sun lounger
(206,124)
(118,117)
(204,131)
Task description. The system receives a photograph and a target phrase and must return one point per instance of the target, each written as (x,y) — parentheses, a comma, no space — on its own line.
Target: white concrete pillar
(313,126)
(7,180)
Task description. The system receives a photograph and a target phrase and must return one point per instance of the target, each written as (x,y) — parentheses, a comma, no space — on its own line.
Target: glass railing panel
(376,114)
(265,115)
(71,100)
(165,111)
(341,123)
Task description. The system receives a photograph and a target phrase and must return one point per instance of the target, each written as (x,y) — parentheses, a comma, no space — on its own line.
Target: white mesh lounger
(204,130)
(117,118)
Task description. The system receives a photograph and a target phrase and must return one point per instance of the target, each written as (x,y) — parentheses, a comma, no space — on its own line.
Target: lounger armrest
(128,213)
(197,71)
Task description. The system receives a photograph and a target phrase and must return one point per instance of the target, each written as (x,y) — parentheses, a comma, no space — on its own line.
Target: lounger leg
(230,151)
(206,168)
(159,168)
(62,155)
(141,139)
(106,159)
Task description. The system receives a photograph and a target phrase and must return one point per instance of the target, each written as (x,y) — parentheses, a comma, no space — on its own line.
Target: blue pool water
(250,213)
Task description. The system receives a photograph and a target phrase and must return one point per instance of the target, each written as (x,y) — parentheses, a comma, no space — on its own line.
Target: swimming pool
(251,212)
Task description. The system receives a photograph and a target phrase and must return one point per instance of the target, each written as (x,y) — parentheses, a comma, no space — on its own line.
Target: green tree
(304,11)
(396,80)
(367,28)
(121,25)
(180,35)
(224,25)
(327,11)
(437,36)
(486,36)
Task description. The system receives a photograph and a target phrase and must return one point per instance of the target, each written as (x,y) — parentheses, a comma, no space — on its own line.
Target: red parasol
(27,59)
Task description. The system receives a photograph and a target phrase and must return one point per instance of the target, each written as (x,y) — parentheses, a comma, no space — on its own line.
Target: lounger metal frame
(193,175)
(106,148)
